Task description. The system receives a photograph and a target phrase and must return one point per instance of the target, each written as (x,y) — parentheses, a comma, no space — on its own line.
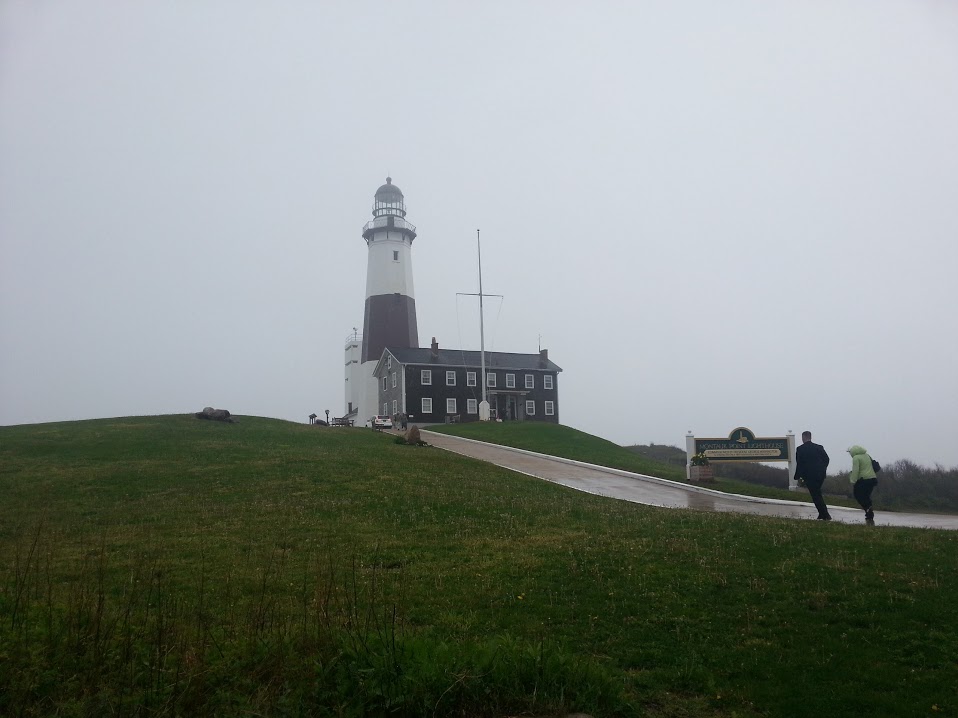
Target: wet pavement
(653,491)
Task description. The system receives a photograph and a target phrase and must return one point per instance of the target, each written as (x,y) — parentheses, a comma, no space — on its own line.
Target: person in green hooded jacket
(864,480)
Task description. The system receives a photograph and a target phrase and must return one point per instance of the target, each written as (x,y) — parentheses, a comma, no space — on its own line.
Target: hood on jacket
(855,450)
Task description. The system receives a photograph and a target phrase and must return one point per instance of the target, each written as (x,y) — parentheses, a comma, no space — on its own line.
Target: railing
(383,222)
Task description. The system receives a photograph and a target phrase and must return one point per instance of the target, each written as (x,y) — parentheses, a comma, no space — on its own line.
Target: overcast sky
(713,214)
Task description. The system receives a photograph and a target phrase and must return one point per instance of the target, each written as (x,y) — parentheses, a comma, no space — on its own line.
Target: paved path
(653,491)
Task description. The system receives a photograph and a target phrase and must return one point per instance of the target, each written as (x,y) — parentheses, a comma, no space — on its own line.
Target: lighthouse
(389,318)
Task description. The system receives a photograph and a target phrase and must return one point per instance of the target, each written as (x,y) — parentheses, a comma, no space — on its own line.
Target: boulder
(413,436)
(212,414)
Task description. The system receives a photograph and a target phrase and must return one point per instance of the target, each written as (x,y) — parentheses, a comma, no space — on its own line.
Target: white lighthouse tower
(390,314)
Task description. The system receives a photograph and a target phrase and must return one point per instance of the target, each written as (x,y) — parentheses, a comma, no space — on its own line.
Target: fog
(712,215)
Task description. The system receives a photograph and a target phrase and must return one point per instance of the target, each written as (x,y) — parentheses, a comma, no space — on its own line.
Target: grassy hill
(558,440)
(170,566)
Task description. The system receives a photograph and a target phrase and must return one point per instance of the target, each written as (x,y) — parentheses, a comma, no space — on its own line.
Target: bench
(340,421)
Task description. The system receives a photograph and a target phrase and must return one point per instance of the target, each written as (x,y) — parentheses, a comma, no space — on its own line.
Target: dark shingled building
(442,385)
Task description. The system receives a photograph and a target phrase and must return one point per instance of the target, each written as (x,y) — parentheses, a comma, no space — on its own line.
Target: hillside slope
(171,566)
(560,440)
(569,443)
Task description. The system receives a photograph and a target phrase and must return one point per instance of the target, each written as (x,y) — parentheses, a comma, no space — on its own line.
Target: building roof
(471,359)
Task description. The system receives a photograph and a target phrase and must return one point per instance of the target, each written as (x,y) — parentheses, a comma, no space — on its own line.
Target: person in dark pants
(864,480)
(810,464)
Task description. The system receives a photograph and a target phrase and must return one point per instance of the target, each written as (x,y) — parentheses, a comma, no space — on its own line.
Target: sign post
(743,445)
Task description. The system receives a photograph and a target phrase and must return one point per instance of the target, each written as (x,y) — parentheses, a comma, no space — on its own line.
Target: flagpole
(482,329)
(484,405)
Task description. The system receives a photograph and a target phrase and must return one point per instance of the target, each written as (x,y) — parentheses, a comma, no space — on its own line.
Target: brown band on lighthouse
(390,321)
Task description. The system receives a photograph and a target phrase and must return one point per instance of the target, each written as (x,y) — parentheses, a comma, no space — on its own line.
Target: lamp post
(327,417)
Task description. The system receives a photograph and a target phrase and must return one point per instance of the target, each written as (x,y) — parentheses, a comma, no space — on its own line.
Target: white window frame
(530,381)
(547,381)
(510,381)
(491,379)
(385,408)
(395,407)
(472,406)
(470,378)
(389,362)
(394,380)
(427,405)
(425,377)
(530,407)
(450,378)
(385,386)
(550,408)
(451,405)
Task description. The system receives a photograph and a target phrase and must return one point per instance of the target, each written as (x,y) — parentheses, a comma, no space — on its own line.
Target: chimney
(543,358)
(435,349)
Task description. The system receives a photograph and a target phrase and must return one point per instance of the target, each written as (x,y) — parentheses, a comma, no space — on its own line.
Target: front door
(513,408)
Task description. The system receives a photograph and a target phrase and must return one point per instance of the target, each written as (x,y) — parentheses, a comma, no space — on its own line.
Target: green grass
(558,440)
(165,565)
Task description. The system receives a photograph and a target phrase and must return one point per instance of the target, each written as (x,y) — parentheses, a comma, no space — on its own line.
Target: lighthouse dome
(389,200)
(388,190)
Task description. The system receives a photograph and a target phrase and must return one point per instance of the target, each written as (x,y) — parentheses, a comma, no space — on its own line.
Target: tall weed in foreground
(85,633)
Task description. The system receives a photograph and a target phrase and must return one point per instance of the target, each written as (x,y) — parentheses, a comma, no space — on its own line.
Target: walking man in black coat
(811,462)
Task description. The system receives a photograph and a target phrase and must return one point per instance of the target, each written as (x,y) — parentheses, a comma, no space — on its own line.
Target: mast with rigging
(484,413)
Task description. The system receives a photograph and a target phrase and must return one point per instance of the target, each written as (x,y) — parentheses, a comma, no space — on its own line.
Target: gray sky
(714,214)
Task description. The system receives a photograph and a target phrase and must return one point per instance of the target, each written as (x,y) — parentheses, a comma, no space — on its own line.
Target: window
(470,378)
(384,383)
(395,256)
(510,381)
(490,379)
(450,378)
(450,406)
(426,406)
(395,407)
(530,381)
(394,380)
(547,382)
(425,377)
(530,408)
(472,406)
(550,408)
(385,408)
(389,362)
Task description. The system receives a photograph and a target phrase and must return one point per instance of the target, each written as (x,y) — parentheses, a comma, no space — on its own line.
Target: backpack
(876,467)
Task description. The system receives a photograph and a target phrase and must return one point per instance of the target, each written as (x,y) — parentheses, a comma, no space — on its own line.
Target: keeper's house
(434,385)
